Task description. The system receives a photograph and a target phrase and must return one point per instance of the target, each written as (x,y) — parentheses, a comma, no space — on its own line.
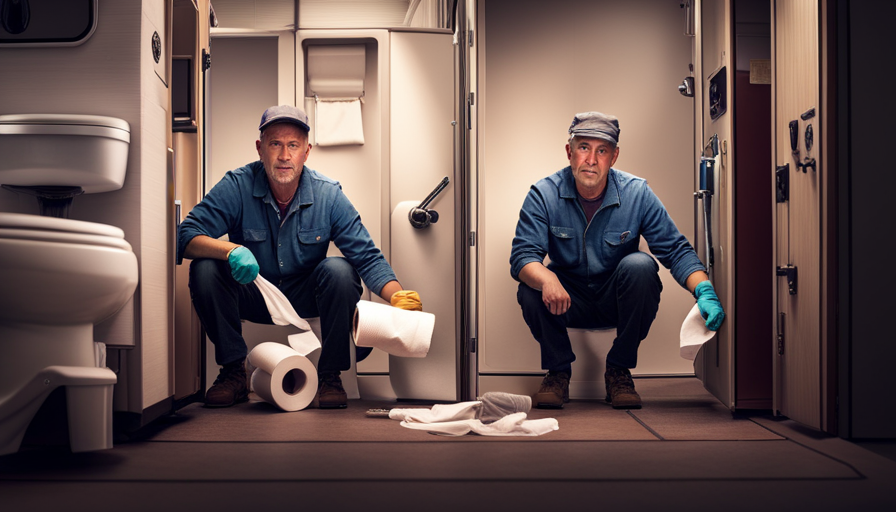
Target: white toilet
(59,277)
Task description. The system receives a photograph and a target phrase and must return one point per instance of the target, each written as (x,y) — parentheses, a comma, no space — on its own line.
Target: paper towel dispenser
(336,82)
(336,71)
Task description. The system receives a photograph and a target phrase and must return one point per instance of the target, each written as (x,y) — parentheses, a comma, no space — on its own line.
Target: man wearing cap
(588,218)
(280,217)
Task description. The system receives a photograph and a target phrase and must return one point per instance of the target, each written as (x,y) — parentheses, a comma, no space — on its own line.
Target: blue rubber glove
(243,266)
(709,305)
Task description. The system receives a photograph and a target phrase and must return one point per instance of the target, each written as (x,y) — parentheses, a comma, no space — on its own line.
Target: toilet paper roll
(693,334)
(282,377)
(393,330)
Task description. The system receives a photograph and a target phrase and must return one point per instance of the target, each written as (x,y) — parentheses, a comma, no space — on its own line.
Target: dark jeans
(330,292)
(628,300)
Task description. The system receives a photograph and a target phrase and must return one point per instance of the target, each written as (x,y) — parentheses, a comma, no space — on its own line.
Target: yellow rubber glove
(407,299)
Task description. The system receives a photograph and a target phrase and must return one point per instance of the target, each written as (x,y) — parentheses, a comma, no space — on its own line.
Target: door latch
(789,272)
(782,183)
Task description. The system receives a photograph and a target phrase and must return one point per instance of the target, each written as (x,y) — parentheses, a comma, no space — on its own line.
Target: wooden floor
(682,451)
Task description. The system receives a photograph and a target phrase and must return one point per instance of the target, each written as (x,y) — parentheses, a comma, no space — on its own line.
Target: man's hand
(407,299)
(243,266)
(709,305)
(555,296)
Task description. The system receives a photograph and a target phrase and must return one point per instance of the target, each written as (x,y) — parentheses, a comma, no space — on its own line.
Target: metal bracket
(810,162)
(782,183)
(780,336)
(790,273)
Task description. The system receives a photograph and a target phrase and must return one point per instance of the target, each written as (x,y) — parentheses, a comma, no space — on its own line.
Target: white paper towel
(396,331)
(694,334)
(283,377)
(282,313)
(511,425)
(338,122)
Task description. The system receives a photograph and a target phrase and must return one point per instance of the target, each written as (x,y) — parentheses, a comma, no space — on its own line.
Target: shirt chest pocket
(254,235)
(564,246)
(314,236)
(620,242)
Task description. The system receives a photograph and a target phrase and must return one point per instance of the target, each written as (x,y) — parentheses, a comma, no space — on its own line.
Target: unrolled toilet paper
(283,377)
(396,331)
(282,313)
(694,334)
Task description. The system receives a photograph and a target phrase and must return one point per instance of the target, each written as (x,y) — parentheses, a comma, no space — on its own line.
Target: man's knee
(206,270)
(639,265)
(338,273)
(641,271)
(526,296)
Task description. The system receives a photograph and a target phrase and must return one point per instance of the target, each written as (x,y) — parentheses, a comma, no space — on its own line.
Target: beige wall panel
(422,153)
(243,83)
(538,67)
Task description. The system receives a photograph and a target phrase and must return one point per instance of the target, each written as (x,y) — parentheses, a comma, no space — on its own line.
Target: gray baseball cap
(595,124)
(284,114)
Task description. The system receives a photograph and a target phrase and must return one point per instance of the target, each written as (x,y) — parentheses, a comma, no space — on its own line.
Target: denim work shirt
(242,206)
(552,223)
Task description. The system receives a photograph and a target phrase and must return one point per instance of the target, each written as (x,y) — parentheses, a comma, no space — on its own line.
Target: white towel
(337,122)
(693,334)
(510,425)
(282,313)
(396,331)
(438,413)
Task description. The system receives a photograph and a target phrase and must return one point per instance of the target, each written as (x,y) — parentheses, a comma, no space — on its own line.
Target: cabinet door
(798,219)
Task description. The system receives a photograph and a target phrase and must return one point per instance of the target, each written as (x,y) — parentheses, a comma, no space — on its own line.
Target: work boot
(230,387)
(621,389)
(554,391)
(330,393)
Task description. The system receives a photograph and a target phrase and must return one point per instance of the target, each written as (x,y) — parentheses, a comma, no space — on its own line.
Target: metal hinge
(470,38)
(206,62)
(790,273)
(472,239)
(472,345)
(780,334)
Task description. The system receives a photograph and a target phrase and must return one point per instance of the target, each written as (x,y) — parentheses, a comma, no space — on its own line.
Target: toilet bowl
(60,276)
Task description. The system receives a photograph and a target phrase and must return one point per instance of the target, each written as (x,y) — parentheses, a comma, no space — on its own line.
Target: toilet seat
(51,229)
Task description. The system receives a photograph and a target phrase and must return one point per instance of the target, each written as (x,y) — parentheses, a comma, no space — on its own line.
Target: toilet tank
(84,151)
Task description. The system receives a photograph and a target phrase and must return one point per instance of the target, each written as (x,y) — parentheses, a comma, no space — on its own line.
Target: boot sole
(336,406)
(549,403)
(622,406)
(231,404)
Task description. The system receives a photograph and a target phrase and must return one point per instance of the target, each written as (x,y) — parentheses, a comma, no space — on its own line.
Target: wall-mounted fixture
(687,87)
(421,217)
(46,22)
(718,93)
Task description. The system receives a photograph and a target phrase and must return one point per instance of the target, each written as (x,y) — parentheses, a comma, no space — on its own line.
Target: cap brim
(594,135)
(285,120)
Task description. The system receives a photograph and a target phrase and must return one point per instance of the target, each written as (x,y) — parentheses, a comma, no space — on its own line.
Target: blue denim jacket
(241,205)
(553,223)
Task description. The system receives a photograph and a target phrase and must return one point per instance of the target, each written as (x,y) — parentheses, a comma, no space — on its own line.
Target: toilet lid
(52,229)
(65,124)
(66,119)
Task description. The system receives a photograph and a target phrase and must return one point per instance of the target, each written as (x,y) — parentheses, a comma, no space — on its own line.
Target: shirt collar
(611,194)
(262,188)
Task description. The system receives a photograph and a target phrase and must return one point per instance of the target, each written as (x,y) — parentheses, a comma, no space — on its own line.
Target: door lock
(789,272)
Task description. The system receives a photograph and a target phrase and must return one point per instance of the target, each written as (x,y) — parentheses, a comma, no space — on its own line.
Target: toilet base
(89,403)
